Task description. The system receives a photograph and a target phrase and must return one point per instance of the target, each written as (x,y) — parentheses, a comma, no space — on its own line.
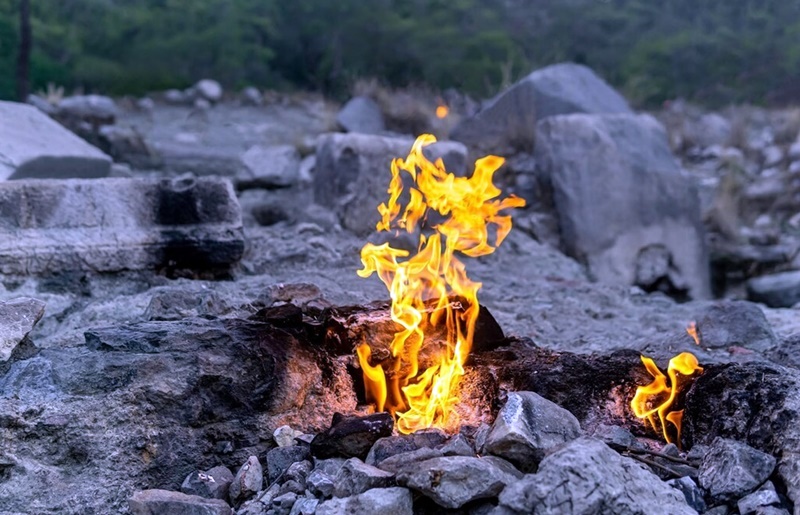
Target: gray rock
(41,104)
(181,303)
(178,158)
(527,427)
(158,502)
(389,446)
(453,154)
(298,472)
(780,290)
(176,97)
(283,504)
(284,436)
(291,486)
(454,481)
(732,469)
(396,463)
(508,122)
(750,504)
(18,317)
(320,483)
(356,477)
(587,477)
(201,104)
(361,114)
(269,167)
(616,437)
(351,436)
(710,129)
(212,484)
(251,96)
(735,324)
(145,104)
(304,506)
(35,146)
(386,501)
(690,490)
(112,225)
(91,108)
(280,459)
(352,174)
(458,446)
(248,481)
(618,191)
(209,90)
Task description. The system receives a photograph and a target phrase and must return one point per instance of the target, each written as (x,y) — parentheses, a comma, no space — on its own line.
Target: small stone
(248,480)
(320,484)
(298,471)
(732,469)
(480,436)
(269,167)
(458,446)
(352,437)
(212,484)
(284,436)
(690,490)
(151,502)
(760,499)
(393,445)
(383,501)
(283,503)
(209,90)
(18,317)
(251,96)
(616,437)
(779,290)
(304,506)
(361,114)
(454,481)
(356,477)
(395,463)
(291,486)
(527,427)
(281,458)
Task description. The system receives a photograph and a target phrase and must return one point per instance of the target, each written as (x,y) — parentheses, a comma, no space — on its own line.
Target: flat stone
(781,290)
(281,458)
(304,506)
(454,481)
(112,225)
(356,477)
(159,502)
(361,114)
(458,446)
(389,446)
(212,484)
(352,437)
(269,167)
(619,192)
(397,462)
(527,427)
(33,146)
(248,481)
(384,501)
(735,324)
(732,469)
(586,476)
(751,504)
(18,317)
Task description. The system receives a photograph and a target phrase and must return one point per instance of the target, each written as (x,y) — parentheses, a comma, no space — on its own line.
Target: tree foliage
(713,51)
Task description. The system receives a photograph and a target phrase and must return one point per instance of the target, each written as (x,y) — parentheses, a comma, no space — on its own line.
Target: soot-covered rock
(157,502)
(393,445)
(527,427)
(587,476)
(281,458)
(352,437)
(732,469)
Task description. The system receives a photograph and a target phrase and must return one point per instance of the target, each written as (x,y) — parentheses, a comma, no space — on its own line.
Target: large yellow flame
(658,397)
(431,288)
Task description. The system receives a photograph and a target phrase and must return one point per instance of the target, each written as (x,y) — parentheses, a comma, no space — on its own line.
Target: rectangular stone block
(111,225)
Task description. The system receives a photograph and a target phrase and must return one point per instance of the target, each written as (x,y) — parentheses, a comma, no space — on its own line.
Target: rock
(352,174)
(453,154)
(393,445)
(709,130)
(178,304)
(95,109)
(735,324)
(158,502)
(305,173)
(125,144)
(458,446)
(772,156)
(780,290)
(352,437)
(304,506)
(396,463)
(281,458)
(283,503)
(190,157)
(690,490)
(732,469)
(209,90)
(251,96)
(616,437)
(454,481)
(750,504)
(361,114)
(321,480)
(618,191)
(201,104)
(112,225)
(145,104)
(284,436)
(18,317)
(587,477)
(508,122)
(248,481)
(356,477)
(41,104)
(298,471)
(212,484)
(175,97)
(527,427)
(386,501)
(35,146)
(269,167)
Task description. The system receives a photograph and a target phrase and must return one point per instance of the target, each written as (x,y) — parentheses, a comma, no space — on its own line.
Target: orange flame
(691,330)
(422,286)
(442,111)
(685,364)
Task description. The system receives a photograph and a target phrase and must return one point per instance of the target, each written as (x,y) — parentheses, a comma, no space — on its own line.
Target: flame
(442,111)
(430,288)
(684,364)
(691,330)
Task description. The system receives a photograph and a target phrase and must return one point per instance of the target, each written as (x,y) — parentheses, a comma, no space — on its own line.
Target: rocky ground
(125,367)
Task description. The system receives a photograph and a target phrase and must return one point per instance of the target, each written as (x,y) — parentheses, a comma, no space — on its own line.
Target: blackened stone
(213,484)
(690,490)
(732,469)
(352,437)
(280,459)
(393,445)
(286,315)
(156,502)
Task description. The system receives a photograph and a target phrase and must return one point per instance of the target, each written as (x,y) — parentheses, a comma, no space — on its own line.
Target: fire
(430,288)
(691,330)
(659,396)
(442,111)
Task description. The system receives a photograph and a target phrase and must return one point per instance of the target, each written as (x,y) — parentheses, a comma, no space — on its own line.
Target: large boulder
(624,206)
(110,225)
(34,146)
(508,122)
(361,114)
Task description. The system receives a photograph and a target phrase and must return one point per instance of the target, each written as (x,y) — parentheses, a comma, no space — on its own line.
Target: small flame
(662,394)
(691,329)
(442,111)
(422,286)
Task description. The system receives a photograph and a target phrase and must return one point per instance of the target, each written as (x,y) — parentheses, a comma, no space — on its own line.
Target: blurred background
(712,52)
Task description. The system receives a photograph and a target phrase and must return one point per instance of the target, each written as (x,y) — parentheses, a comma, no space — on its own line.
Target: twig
(661,455)
(655,464)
